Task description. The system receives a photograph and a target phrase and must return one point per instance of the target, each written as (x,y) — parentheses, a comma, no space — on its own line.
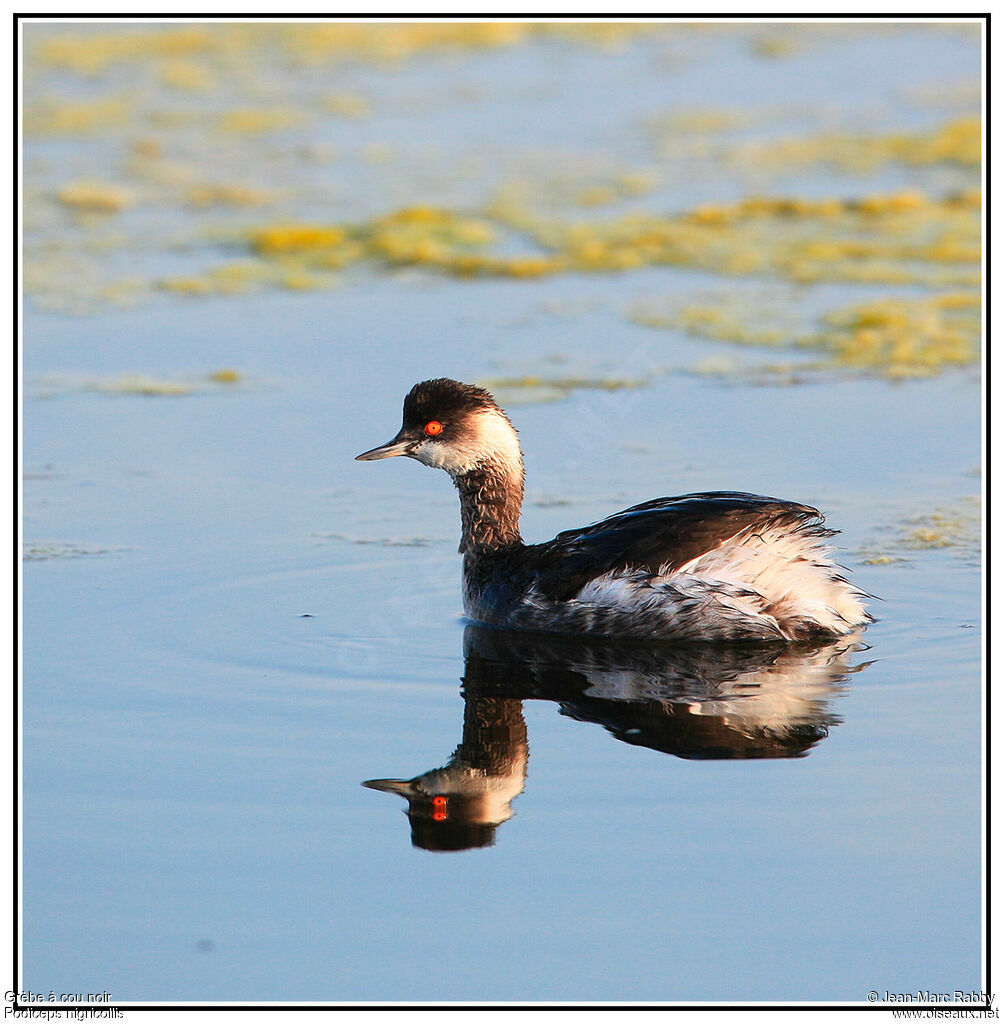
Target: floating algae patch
(54,116)
(416,234)
(94,53)
(226,279)
(227,375)
(187,76)
(776,46)
(94,197)
(896,338)
(696,121)
(616,187)
(346,104)
(73,280)
(956,142)
(901,338)
(437,239)
(298,239)
(726,321)
(899,238)
(537,185)
(259,120)
(227,194)
(904,238)
(198,126)
(961,93)
(420,234)
(138,384)
(760,145)
(46,551)
(957,527)
(535,390)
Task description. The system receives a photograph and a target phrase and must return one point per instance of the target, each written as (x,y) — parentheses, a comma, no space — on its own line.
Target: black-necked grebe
(715,566)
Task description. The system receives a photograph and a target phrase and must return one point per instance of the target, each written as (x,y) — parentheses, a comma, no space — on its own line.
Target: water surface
(229,625)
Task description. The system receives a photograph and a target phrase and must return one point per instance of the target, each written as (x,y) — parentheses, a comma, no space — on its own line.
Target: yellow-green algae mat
(185,142)
(916,249)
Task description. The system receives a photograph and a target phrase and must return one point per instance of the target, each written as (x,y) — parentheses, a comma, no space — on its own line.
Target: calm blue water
(235,625)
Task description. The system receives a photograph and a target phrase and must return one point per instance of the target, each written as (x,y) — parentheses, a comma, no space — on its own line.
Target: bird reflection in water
(696,701)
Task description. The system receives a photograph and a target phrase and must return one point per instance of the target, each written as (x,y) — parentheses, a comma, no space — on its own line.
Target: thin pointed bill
(396,446)
(400,786)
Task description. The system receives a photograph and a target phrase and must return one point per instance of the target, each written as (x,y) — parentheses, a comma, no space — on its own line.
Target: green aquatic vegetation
(195,146)
(258,120)
(958,141)
(962,93)
(897,338)
(182,49)
(139,384)
(956,527)
(237,278)
(720,322)
(227,194)
(531,389)
(92,53)
(53,115)
(187,76)
(346,104)
(776,45)
(46,551)
(897,238)
(902,338)
(226,375)
(873,556)
(225,279)
(94,197)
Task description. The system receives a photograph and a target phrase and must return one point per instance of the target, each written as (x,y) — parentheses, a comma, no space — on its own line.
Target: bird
(710,566)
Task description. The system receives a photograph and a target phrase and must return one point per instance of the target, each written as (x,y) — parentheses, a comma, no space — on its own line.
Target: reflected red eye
(433,427)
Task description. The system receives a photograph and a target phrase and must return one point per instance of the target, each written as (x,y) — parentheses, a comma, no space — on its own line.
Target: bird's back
(717,565)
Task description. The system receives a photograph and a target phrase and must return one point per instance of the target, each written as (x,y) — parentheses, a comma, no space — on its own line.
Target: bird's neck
(491,498)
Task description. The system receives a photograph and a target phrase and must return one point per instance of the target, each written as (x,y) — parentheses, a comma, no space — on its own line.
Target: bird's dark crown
(444,400)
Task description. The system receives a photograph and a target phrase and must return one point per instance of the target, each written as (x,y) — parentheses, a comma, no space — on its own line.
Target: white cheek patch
(489,437)
(430,454)
(455,458)
(493,433)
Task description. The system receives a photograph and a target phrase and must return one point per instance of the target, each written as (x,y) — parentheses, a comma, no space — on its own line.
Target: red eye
(433,427)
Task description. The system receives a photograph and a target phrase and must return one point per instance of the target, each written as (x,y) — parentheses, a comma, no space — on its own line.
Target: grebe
(715,566)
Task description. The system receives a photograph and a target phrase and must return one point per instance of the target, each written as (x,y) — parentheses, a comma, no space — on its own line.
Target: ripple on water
(353,623)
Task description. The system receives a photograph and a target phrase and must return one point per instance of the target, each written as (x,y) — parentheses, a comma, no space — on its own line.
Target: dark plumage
(444,400)
(660,535)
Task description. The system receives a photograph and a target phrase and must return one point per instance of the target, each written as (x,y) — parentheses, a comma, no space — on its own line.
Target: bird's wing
(658,535)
